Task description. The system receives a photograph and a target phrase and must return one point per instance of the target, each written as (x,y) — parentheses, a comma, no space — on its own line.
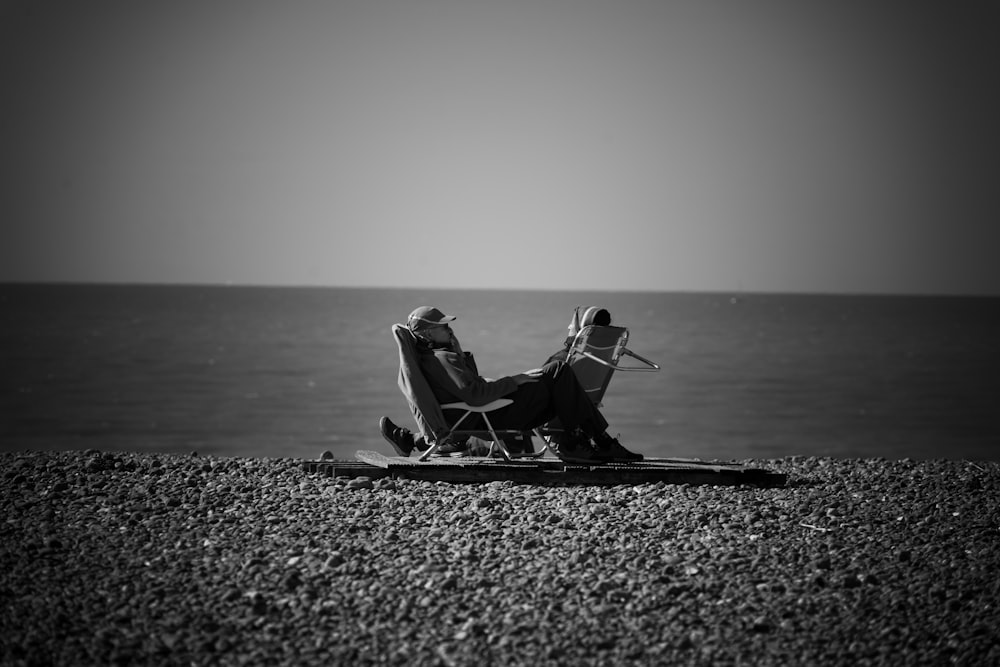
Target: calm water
(243,371)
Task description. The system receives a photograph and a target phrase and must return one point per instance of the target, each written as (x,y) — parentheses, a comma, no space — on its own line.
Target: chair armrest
(489,407)
(650,366)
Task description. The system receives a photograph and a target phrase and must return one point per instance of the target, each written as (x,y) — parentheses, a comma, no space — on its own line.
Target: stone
(264,562)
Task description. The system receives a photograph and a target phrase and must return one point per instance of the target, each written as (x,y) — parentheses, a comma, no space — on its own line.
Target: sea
(298,371)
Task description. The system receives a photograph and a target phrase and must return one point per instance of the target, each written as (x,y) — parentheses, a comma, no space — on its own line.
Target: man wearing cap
(539,396)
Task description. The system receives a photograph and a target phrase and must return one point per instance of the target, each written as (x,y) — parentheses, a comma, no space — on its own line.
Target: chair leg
(443,439)
(545,446)
(496,440)
(497,443)
(430,450)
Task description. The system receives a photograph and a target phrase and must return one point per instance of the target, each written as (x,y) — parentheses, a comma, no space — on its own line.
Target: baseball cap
(426,317)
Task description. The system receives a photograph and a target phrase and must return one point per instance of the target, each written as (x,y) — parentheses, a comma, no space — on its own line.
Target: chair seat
(489,407)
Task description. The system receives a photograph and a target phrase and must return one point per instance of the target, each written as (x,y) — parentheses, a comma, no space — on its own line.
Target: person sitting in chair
(592,315)
(539,396)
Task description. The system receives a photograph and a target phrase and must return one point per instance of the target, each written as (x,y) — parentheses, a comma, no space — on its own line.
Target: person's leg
(535,404)
(532,407)
(577,413)
(556,395)
(572,406)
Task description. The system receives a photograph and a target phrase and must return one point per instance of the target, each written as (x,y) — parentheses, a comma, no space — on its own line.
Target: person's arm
(453,377)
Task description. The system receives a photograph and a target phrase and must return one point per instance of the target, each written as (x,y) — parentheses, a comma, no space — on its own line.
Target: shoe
(612,449)
(575,449)
(400,438)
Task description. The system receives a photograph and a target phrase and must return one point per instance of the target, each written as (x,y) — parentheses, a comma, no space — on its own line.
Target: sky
(691,145)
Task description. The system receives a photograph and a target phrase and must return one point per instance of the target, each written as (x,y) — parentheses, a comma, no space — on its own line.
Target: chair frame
(607,356)
(584,350)
(428,412)
(497,442)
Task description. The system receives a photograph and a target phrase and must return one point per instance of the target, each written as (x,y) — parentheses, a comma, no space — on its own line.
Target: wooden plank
(544,470)
(331,468)
(394,462)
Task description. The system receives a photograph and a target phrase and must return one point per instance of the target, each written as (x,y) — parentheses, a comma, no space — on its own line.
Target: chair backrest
(606,343)
(423,404)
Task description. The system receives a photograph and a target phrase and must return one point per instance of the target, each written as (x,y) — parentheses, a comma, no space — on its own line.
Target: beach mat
(467,469)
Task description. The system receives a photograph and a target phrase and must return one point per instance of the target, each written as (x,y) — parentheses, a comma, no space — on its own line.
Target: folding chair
(595,352)
(429,414)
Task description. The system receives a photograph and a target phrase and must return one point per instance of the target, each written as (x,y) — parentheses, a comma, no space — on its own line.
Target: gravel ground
(125,559)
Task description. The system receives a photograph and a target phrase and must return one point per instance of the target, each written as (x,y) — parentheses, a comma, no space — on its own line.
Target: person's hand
(455,346)
(523,378)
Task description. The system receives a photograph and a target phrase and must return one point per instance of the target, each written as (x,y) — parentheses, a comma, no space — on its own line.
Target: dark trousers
(556,395)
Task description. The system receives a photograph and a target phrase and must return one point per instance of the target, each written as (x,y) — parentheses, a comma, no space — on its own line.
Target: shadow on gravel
(803,482)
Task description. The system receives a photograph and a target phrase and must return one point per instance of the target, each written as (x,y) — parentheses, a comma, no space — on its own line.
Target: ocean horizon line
(734,293)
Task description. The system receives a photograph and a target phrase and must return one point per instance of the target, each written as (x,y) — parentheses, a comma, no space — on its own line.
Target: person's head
(585,316)
(597,316)
(430,324)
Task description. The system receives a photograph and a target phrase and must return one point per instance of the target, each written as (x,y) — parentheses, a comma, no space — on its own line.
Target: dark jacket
(455,377)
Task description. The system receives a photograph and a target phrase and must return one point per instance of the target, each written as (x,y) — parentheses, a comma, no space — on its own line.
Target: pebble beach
(120,559)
